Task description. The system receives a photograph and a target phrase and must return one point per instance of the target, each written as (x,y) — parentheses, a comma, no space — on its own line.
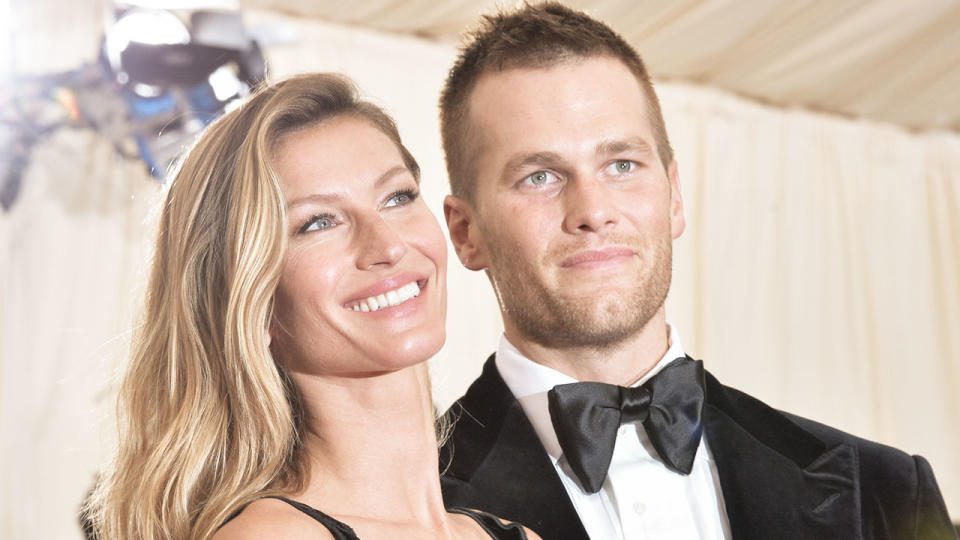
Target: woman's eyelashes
(401,197)
(319,222)
(326,221)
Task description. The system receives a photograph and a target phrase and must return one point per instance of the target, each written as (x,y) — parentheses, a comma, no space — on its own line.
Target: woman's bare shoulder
(272,518)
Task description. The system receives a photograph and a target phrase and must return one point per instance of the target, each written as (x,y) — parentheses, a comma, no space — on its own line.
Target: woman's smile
(393,297)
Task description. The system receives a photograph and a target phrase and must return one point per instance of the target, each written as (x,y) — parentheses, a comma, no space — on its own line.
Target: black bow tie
(587,415)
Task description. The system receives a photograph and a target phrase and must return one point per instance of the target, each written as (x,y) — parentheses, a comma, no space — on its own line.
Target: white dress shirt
(640,498)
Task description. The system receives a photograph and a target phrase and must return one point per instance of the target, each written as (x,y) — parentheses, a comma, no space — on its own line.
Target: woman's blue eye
(401,198)
(540,178)
(318,223)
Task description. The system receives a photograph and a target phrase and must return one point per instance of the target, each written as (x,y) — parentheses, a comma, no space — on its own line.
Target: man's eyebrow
(537,159)
(634,144)
(327,198)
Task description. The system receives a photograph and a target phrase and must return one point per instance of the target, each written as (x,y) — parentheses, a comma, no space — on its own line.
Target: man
(566,193)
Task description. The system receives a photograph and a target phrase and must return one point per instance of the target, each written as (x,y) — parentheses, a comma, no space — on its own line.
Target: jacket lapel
(500,466)
(778,480)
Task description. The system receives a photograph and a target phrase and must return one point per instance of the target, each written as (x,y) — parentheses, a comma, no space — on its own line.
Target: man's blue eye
(622,166)
(540,178)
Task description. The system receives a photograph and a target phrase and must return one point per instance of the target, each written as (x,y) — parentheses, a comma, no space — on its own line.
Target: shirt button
(639,508)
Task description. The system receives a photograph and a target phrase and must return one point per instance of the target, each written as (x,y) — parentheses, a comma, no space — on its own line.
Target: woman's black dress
(489,523)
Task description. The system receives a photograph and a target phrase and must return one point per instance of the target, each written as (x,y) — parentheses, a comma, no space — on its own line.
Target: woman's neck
(372,447)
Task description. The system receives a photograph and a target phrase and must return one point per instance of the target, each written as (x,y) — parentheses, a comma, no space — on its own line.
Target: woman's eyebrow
(327,198)
(387,176)
(323,198)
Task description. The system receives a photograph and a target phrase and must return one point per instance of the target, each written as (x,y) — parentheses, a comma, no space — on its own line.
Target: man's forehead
(511,73)
(586,92)
(574,82)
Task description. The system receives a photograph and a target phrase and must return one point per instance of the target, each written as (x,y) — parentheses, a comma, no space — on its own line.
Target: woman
(298,288)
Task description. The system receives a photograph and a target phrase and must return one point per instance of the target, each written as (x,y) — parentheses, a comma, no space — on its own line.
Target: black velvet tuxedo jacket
(782,477)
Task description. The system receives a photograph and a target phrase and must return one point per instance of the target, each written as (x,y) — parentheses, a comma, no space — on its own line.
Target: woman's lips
(387,292)
(393,297)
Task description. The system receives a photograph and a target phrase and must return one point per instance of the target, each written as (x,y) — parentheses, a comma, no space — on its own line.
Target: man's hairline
(468,191)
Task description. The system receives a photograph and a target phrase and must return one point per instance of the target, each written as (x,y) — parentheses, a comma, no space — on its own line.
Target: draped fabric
(73,259)
(820,271)
(887,60)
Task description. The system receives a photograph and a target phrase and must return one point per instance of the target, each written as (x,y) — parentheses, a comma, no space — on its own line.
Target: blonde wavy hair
(208,421)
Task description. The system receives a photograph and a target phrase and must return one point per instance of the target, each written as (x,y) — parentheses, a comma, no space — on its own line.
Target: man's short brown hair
(534,36)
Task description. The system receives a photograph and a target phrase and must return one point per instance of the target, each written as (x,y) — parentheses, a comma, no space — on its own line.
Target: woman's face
(362,290)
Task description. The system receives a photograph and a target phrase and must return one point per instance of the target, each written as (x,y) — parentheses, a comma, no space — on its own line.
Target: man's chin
(596,325)
(584,337)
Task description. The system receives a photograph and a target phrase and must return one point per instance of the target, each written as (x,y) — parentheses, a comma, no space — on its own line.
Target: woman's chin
(410,350)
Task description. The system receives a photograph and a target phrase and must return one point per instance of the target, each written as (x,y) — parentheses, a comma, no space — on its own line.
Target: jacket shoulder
(898,492)
(900,496)
(474,420)
(494,461)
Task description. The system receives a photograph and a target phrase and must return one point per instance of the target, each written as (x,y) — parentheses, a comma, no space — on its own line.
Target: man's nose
(379,244)
(589,206)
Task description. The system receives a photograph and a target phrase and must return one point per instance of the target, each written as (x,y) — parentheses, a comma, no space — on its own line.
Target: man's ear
(677,221)
(464,233)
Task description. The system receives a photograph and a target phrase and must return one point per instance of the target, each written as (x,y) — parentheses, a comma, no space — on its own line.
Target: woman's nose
(379,244)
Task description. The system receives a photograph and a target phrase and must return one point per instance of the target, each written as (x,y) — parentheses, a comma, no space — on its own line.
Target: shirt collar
(529,382)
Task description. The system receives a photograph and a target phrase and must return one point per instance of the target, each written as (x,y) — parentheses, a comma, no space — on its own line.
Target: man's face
(574,213)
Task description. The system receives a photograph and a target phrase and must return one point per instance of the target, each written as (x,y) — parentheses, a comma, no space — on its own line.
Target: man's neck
(622,363)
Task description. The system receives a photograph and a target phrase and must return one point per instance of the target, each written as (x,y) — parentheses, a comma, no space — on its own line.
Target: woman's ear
(464,234)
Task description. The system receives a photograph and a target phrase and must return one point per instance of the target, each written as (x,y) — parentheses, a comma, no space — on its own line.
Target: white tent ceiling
(895,61)
(891,60)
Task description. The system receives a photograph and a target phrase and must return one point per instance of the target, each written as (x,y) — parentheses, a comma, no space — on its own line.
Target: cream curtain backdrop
(820,271)
(72,253)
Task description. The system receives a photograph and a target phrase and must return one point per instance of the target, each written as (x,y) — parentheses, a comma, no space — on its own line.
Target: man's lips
(598,257)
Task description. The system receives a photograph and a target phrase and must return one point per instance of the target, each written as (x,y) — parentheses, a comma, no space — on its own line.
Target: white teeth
(389,298)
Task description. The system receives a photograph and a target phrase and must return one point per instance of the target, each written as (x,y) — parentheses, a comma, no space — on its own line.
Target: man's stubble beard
(557,320)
